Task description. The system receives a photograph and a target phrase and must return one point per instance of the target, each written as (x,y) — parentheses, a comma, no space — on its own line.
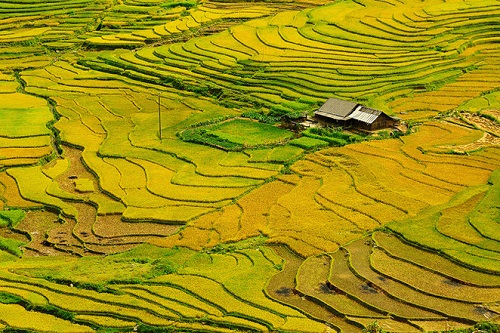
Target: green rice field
(153,178)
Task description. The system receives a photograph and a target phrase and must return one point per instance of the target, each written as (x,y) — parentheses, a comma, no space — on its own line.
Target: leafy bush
(486,327)
(373,328)
(161,267)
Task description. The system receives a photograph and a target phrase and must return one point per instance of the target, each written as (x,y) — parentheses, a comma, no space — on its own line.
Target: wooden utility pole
(159,115)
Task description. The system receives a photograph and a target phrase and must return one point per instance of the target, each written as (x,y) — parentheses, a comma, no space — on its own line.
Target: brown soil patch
(61,238)
(76,170)
(110,226)
(483,123)
(486,141)
(494,113)
(37,224)
(8,233)
(126,235)
(92,234)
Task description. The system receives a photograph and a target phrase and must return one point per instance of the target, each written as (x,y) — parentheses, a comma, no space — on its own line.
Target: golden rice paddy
(135,193)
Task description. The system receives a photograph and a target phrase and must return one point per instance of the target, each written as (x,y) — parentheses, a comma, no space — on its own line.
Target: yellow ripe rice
(16,316)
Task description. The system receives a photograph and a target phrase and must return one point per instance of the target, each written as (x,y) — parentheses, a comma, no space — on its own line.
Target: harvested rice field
(162,168)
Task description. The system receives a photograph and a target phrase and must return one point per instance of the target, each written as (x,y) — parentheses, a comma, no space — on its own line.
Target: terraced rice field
(146,185)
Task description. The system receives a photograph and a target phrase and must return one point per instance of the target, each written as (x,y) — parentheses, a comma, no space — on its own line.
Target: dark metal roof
(336,109)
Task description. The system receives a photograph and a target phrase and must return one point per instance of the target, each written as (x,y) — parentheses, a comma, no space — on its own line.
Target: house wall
(383,121)
(329,121)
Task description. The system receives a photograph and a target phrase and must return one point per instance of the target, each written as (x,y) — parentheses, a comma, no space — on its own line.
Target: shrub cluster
(161,267)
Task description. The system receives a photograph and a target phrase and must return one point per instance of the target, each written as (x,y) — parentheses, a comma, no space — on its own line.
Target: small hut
(350,114)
